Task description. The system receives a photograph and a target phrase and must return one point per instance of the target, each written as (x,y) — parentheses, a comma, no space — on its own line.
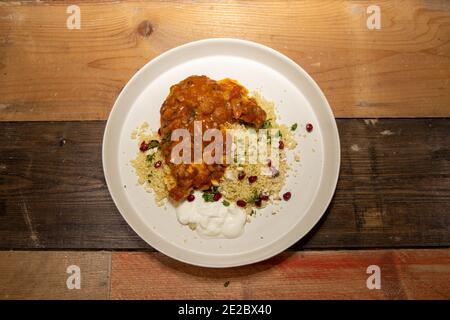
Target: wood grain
(43,275)
(405,274)
(48,72)
(393,190)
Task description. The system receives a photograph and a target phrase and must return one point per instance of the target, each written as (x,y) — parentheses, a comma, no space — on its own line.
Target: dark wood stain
(145,28)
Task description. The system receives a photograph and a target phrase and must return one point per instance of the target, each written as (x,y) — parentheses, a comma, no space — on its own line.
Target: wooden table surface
(389,89)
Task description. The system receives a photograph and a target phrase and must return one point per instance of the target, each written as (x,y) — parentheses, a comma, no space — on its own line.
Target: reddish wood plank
(48,72)
(43,275)
(405,274)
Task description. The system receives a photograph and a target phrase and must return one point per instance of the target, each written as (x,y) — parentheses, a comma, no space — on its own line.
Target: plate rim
(268,253)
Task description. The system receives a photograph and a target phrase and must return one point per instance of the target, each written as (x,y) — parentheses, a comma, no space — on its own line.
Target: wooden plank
(44,275)
(48,72)
(393,190)
(52,183)
(405,274)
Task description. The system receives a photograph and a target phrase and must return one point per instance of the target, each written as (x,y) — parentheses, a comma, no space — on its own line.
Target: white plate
(278,79)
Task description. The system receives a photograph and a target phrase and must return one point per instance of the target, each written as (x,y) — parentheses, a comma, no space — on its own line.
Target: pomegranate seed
(217,196)
(309,127)
(144,146)
(190,198)
(252,179)
(241,203)
(281,145)
(258,203)
(264,197)
(158,164)
(269,163)
(241,175)
(287,196)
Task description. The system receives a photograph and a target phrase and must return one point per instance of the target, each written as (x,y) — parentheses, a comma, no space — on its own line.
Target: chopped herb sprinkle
(253,198)
(166,138)
(208,196)
(154,144)
(150,157)
(266,124)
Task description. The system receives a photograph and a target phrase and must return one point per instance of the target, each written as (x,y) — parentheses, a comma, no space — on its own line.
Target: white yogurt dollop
(213,219)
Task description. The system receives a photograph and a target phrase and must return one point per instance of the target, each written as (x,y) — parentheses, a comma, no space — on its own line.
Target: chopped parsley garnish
(225,203)
(208,196)
(253,212)
(166,138)
(150,157)
(294,127)
(253,198)
(153,144)
(266,124)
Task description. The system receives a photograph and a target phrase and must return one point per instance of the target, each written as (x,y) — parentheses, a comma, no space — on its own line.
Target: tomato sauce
(214,103)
